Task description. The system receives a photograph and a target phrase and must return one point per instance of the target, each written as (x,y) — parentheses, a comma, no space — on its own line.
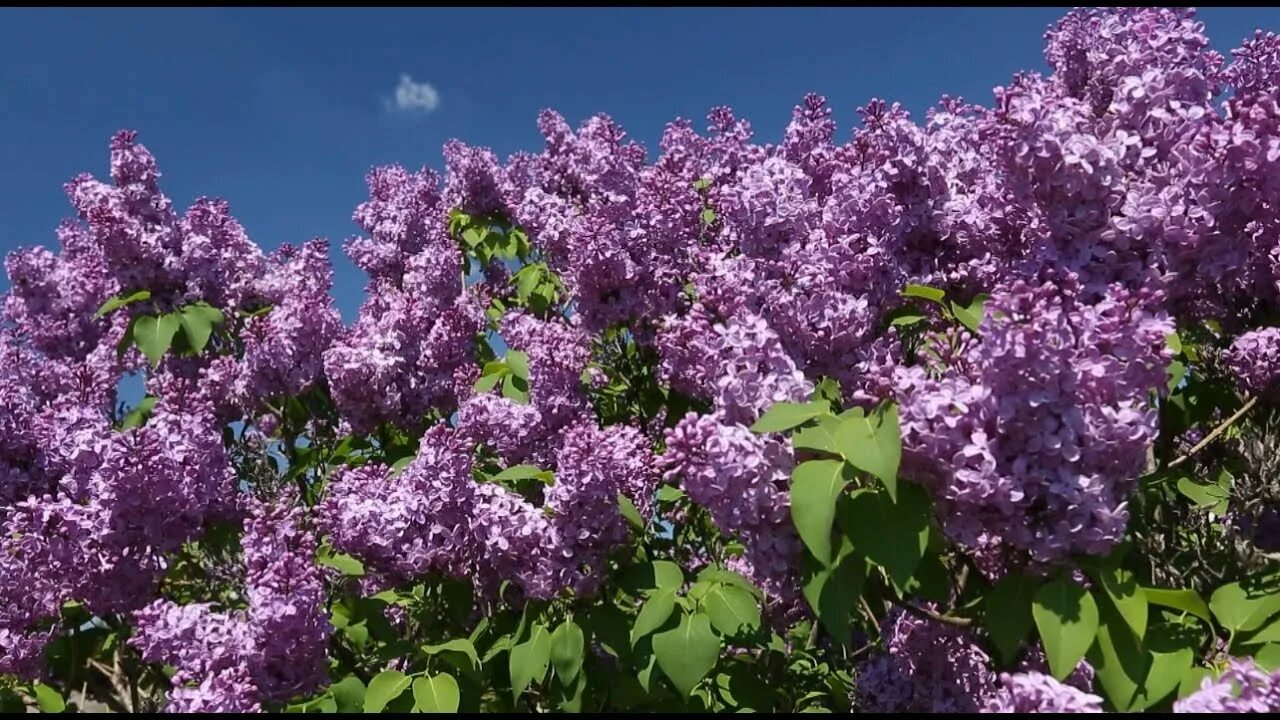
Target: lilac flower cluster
(240,660)
(1034,692)
(927,666)
(1033,436)
(89,531)
(417,326)
(1132,189)
(434,517)
(90,514)
(1242,688)
(1254,359)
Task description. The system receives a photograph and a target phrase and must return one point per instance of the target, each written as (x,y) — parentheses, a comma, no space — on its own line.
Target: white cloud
(414,96)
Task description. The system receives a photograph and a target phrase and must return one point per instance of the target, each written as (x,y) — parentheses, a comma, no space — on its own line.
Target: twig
(931,615)
(1216,432)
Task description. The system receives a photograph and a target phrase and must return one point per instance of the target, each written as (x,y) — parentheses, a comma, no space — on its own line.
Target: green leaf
(708,216)
(348,694)
(820,437)
(120,301)
(833,592)
(971,316)
(1177,370)
(1134,678)
(608,627)
(1268,634)
(519,364)
(529,660)
(341,562)
(197,324)
(669,493)
(731,609)
(815,485)
(687,653)
(924,292)
(653,614)
(1127,596)
(907,319)
(138,415)
(629,511)
(653,575)
(1008,614)
(48,699)
(398,466)
(890,534)
(1241,608)
(1268,657)
(784,416)
(1173,652)
(1191,680)
(462,646)
(1119,664)
(487,383)
(154,335)
(1067,618)
(383,688)
(873,443)
(1184,600)
(436,694)
(1206,496)
(11,703)
(527,281)
(714,573)
(567,644)
(519,472)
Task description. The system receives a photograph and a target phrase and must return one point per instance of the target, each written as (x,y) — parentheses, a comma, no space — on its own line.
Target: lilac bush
(946,416)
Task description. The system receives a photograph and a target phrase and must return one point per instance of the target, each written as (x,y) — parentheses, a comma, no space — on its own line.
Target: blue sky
(283,111)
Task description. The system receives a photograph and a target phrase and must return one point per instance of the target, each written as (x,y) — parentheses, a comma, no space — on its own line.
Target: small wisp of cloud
(413,97)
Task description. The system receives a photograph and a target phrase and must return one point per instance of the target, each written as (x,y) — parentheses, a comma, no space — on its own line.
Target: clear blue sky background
(283,111)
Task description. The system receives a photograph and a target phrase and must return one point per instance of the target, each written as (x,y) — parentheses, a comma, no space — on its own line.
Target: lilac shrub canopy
(977,413)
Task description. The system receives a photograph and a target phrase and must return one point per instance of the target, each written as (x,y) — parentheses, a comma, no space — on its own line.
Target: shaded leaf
(1067,618)
(815,486)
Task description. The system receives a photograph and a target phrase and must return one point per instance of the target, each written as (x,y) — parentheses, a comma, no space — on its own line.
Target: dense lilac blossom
(1242,688)
(741,478)
(927,666)
(433,517)
(1097,205)
(408,525)
(417,327)
(1034,692)
(1254,359)
(96,537)
(1033,435)
(239,660)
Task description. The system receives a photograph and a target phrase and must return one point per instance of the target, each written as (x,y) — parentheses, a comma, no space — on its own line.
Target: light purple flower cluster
(93,533)
(741,478)
(418,324)
(1034,692)
(1033,435)
(1254,359)
(241,660)
(929,667)
(1242,688)
(434,518)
